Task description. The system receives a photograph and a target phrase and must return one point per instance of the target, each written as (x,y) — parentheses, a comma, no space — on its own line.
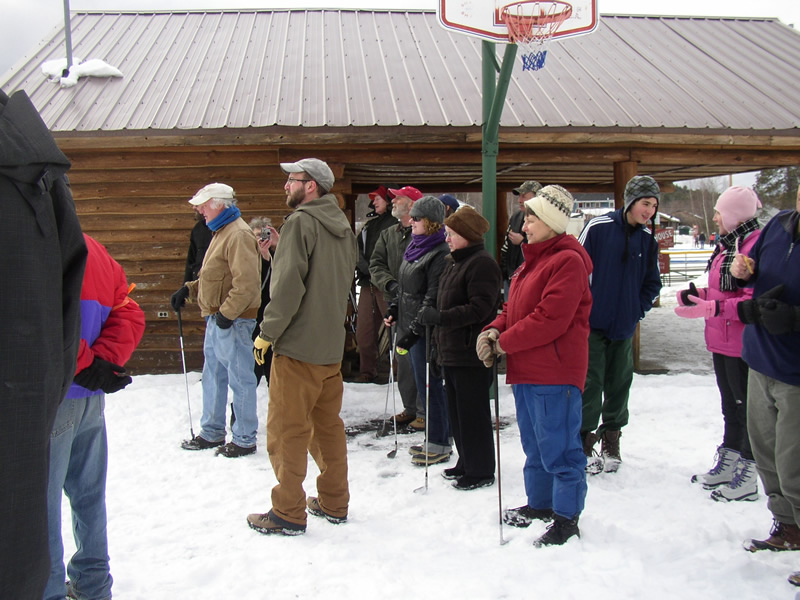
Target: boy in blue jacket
(625,282)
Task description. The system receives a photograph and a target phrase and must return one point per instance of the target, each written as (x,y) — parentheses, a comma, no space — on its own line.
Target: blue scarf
(228,215)
(422,244)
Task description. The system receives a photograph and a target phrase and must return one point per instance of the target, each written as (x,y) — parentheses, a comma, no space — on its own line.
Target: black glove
(223,322)
(750,310)
(391,288)
(407,341)
(391,313)
(428,315)
(178,299)
(686,293)
(102,375)
(777,316)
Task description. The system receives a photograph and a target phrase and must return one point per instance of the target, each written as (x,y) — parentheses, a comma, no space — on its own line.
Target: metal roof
(340,68)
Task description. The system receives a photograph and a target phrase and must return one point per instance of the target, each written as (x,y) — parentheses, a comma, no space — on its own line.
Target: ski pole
(185,375)
(392,453)
(425,446)
(496,394)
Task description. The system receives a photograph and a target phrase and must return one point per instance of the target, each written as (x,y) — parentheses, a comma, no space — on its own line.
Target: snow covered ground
(177,525)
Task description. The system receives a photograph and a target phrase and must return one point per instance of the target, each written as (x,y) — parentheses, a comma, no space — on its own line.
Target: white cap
(220,191)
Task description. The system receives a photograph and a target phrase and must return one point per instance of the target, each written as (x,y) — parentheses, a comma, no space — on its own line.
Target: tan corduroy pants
(304,405)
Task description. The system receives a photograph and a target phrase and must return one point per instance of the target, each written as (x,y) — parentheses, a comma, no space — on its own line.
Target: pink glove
(683,295)
(700,309)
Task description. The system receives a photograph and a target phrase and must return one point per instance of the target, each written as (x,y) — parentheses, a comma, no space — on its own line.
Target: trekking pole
(392,453)
(185,375)
(496,394)
(425,445)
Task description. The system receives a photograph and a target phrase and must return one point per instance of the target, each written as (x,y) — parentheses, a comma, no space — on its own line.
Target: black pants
(471,418)
(731,372)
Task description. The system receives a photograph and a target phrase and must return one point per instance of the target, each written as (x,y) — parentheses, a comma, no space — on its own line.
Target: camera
(264,234)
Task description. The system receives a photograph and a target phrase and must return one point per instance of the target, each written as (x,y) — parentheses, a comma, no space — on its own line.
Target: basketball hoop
(531,24)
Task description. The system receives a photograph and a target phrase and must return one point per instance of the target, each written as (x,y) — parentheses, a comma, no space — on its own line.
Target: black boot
(559,531)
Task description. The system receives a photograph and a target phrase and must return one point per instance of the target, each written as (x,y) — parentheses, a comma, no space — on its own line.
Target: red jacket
(544,325)
(111,323)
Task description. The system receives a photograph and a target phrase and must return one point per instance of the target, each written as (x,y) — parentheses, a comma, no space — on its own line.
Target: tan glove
(485,346)
(260,347)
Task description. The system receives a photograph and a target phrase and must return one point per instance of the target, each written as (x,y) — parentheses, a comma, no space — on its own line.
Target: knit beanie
(553,205)
(737,205)
(641,186)
(429,207)
(468,223)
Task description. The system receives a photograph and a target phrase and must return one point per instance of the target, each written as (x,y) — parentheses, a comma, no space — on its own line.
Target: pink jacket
(724,332)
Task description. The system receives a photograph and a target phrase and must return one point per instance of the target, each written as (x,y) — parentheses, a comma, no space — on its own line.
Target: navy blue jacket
(777,259)
(623,290)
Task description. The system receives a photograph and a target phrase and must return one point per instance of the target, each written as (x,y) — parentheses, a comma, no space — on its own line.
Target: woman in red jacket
(544,330)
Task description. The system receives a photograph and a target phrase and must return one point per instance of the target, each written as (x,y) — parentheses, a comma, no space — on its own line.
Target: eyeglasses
(417,219)
(291,180)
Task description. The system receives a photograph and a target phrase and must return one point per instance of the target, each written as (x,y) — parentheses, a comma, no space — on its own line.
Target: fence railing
(685,264)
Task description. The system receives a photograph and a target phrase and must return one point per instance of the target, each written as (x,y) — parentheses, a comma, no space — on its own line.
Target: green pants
(608,383)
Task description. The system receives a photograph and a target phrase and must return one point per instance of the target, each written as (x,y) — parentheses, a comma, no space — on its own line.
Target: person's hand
(516,238)
(260,347)
(102,375)
(178,299)
(391,315)
(405,343)
(274,237)
(485,346)
(748,312)
(777,316)
(697,308)
(263,249)
(683,295)
(743,267)
(428,315)
(223,322)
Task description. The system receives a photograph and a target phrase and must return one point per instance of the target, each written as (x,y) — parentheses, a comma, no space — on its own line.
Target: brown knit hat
(468,223)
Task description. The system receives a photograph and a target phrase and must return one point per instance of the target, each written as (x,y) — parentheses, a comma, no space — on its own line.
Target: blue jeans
(229,360)
(438,420)
(78,462)
(549,419)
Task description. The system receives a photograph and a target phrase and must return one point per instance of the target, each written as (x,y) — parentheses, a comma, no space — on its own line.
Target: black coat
(470,292)
(419,285)
(367,238)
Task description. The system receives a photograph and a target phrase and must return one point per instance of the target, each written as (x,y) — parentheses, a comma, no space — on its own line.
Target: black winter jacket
(419,286)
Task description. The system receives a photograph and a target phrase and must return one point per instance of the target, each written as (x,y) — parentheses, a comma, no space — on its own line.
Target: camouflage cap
(529,187)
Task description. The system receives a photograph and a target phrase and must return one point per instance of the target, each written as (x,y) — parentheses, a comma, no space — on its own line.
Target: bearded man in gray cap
(625,283)
(304,323)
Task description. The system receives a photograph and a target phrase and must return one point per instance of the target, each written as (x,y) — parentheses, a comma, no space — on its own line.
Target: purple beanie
(737,205)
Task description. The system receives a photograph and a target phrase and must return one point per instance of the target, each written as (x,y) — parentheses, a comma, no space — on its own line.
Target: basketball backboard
(483,18)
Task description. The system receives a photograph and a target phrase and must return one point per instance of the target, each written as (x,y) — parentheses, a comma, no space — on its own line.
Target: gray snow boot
(743,486)
(722,472)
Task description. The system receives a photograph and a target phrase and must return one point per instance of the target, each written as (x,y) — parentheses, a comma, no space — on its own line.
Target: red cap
(409,192)
(381,191)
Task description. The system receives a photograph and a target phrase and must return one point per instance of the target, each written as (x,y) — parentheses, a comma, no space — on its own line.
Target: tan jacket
(312,274)
(230,278)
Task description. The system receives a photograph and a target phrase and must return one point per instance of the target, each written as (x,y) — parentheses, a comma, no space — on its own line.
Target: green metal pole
(494,97)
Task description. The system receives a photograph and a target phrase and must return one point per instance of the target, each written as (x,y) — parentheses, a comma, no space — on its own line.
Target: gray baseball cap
(315,168)
(529,187)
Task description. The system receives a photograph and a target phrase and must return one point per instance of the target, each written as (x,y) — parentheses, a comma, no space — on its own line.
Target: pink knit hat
(737,205)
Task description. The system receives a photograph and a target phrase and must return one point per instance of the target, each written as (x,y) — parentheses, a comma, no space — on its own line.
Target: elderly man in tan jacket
(304,322)
(228,291)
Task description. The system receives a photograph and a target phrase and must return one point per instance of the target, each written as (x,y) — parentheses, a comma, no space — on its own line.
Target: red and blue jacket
(112,324)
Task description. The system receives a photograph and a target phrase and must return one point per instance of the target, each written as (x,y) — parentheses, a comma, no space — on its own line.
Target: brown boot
(609,450)
(782,536)
(594,463)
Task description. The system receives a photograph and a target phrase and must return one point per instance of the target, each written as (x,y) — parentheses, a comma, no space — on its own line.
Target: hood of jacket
(27,149)
(325,209)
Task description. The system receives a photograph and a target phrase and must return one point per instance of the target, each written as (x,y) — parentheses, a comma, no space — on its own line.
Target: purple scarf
(422,244)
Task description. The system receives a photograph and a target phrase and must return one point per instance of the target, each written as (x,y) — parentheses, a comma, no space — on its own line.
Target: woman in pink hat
(733,476)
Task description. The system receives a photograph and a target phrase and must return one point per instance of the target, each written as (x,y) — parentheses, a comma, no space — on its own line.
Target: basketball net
(531,26)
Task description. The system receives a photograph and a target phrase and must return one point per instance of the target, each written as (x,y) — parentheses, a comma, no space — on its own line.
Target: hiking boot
(452,473)
(782,536)
(722,472)
(266,524)
(315,509)
(794,578)
(415,450)
(525,515)
(559,531)
(594,463)
(744,485)
(418,424)
(467,482)
(231,450)
(430,458)
(403,419)
(198,443)
(609,450)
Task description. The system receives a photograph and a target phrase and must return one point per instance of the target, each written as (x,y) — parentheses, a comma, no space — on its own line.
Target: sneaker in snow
(744,485)
(722,472)
(452,473)
(467,482)
(198,443)
(416,449)
(794,578)
(430,458)
(559,531)
(315,509)
(525,515)
(417,424)
(231,450)
(264,523)
(403,419)
(782,536)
